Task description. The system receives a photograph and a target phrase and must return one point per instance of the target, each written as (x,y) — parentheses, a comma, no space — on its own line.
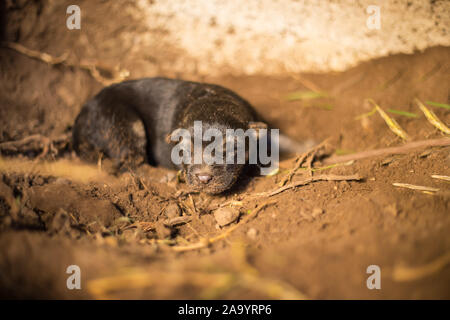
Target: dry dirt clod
(317,212)
(162,231)
(252,233)
(172,211)
(226,216)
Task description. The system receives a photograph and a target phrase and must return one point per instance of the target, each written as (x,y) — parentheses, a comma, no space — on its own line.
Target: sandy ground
(314,241)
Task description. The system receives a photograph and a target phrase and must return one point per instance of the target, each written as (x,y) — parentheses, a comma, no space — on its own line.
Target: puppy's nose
(204,178)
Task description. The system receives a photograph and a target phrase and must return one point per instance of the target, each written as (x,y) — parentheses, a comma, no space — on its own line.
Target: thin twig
(93,69)
(34,142)
(404,273)
(324,177)
(298,164)
(415,187)
(301,159)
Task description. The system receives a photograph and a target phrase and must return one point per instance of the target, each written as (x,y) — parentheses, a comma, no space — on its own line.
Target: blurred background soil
(314,241)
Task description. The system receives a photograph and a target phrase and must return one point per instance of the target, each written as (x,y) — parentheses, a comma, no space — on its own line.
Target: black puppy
(131,123)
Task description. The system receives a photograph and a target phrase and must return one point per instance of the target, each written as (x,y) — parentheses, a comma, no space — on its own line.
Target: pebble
(225,216)
(317,212)
(252,233)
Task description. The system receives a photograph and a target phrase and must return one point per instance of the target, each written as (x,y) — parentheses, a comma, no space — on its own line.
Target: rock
(252,233)
(177,221)
(225,216)
(317,212)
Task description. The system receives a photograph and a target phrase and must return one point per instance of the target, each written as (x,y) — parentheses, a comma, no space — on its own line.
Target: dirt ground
(137,235)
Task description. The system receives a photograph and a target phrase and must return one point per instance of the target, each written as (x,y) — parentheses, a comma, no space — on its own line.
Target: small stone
(177,221)
(252,233)
(225,216)
(317,212)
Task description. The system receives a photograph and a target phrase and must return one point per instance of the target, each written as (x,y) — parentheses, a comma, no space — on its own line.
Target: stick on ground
(323,177)
(95,70)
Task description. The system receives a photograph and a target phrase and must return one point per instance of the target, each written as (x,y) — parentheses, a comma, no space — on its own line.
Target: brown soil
(315,241)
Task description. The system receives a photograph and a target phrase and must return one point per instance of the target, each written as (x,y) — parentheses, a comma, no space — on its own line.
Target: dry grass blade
(208,285)
(368,114)
(415,187)
(105,288)
(232,203)
(432,118)
(436,176)
(61,168)
(392,124)
(403,273)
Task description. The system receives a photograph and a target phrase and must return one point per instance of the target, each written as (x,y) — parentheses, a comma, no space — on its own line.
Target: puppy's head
(214,163)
